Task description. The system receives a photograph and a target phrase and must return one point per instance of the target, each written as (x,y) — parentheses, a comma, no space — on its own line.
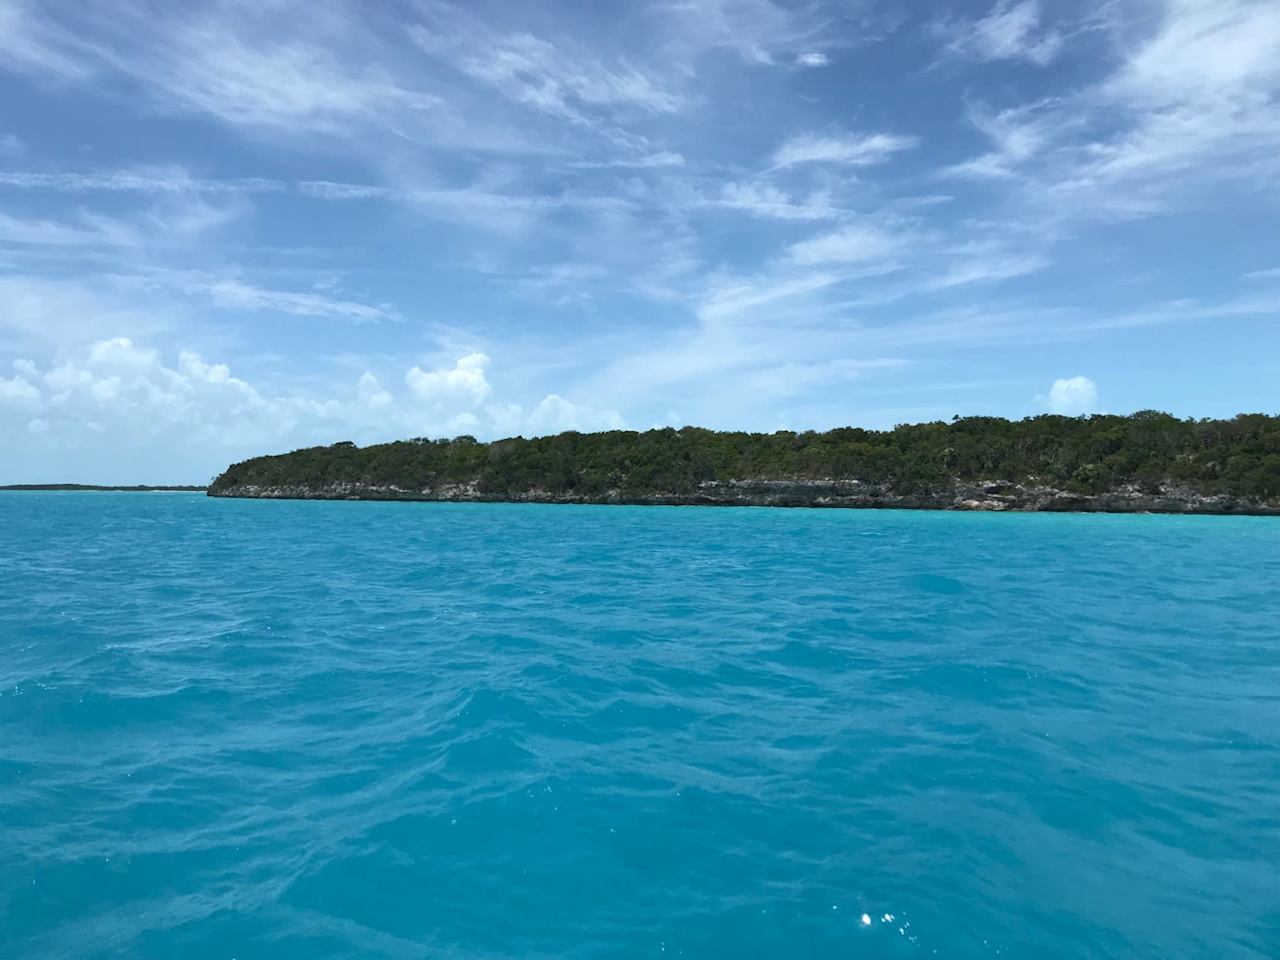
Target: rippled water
(245,729)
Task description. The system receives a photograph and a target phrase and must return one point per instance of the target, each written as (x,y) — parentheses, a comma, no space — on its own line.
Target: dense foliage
(1240,457)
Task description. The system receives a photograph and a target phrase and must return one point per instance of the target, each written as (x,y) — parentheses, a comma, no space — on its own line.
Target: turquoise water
(278,730)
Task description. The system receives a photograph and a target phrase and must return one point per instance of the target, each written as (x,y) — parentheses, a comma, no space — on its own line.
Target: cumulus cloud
(119,399)
(555,414)
(120,352)
(18,390)
(812,58)
(194,366)
(133,396)
(465,380)
(371,392)
(1073,396)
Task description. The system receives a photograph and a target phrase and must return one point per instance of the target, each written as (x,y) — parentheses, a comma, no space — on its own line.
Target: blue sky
(237,227)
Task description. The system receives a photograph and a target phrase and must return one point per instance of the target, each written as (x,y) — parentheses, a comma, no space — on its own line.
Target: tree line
(1088,455)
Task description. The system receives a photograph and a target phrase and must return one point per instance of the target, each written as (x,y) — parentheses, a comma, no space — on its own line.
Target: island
(1144,462)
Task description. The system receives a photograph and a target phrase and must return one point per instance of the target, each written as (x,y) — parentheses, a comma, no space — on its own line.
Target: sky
(238,227)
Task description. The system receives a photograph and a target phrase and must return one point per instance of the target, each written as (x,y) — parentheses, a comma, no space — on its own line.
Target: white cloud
(107,390)
(988,267)
(1204,49)
(119,398)
(462,423)
(477,206)
(1203,92)
(167,180)
(66,377)
(243,296)
(1073,396)
(193,365)
(90,232)
(850,244)
(465,380)
(758,31)
(812,58)
(371,392)
(556,415)
(18,390)
(34,45)
(648,161)
(727,299)
(215,68)
(120,352)
(128,390)
(507,418)
(566,80)
(259,67)
(865,150)
(234,294)
(1016,135)
(765,200)
(1194,100)
(1011,31)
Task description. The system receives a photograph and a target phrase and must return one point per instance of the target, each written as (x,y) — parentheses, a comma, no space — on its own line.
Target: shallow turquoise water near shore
(252,729)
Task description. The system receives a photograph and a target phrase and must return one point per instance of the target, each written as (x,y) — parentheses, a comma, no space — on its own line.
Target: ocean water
(296,730)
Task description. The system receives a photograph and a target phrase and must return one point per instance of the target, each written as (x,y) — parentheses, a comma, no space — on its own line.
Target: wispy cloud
(472,204)
(1194,100)
(1205,84)
(812,58)
(988,267)
(32,44)
(649,161)
(86,231)
(1016,135)
(852,244)
(846,149)
(731,297)
(566,81)
(255,68)
(1010,31)
(136,181)
(758,31)
(762,199)
(233,293)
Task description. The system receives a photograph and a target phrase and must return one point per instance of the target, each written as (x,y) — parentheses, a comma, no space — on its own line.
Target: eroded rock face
(975,496)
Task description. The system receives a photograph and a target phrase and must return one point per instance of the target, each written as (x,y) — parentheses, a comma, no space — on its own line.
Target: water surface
(295,730)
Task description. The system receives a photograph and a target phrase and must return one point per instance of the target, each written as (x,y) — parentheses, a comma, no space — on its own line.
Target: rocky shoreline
(992,496)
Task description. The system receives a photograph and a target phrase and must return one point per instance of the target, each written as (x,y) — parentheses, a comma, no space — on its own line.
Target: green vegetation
(1087,455)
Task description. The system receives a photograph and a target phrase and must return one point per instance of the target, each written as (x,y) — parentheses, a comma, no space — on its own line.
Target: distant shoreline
(1148,462)
(792,494)
(96,488)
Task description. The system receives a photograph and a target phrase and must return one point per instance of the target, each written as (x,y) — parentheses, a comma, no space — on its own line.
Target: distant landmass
(93,486)
(1145,462)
